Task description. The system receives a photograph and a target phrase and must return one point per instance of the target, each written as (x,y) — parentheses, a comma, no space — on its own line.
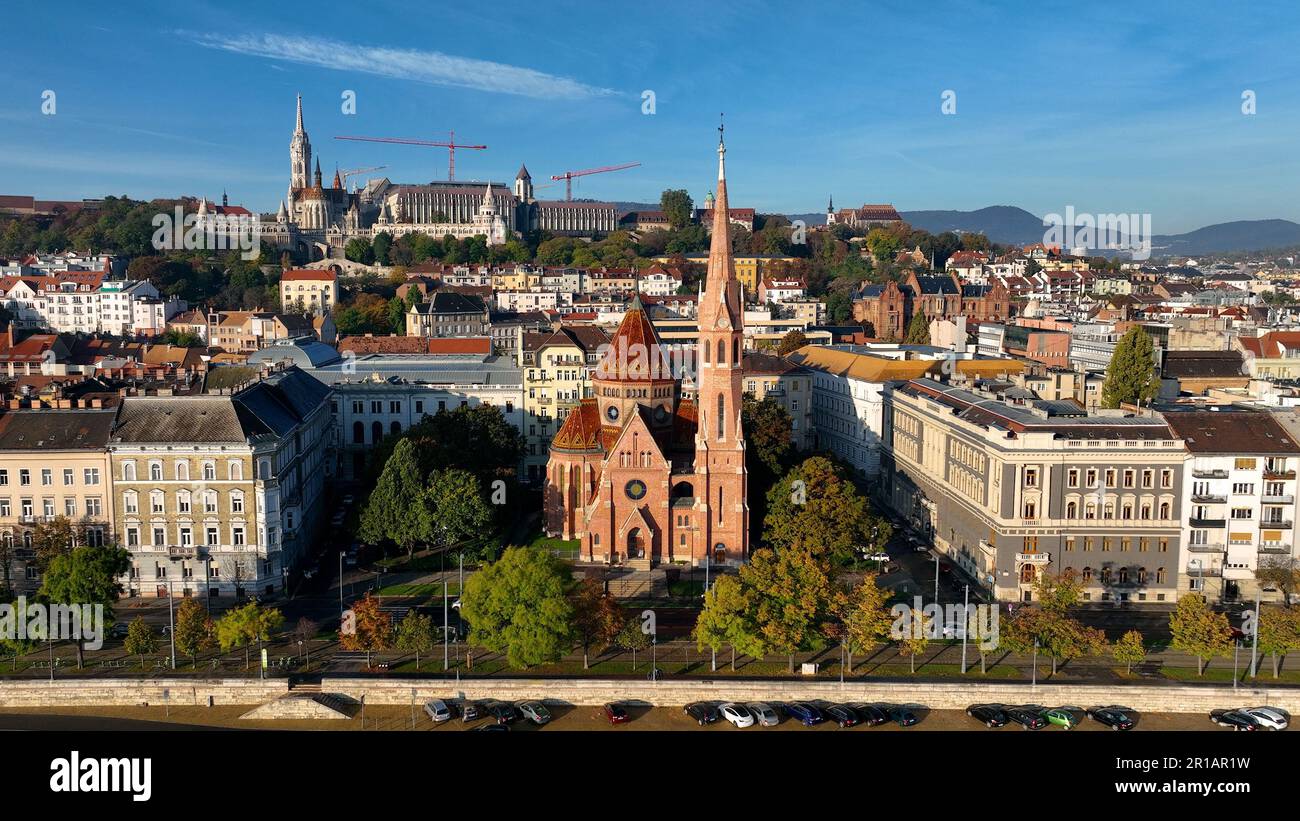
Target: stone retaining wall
(1146,698)
(70,692)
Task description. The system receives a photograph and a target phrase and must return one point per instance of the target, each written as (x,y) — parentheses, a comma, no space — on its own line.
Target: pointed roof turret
(338,181)
(523,173)
(721,290)
(299,128)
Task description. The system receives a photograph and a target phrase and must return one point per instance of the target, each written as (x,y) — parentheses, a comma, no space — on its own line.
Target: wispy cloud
(432,67)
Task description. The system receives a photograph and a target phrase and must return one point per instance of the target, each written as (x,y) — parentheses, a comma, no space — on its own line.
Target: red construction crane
(568,176)
(451,145)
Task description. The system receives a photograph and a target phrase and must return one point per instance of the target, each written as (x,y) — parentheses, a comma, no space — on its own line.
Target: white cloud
(432,67)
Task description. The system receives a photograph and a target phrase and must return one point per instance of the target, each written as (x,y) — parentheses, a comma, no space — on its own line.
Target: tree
(597,619)
(791,342)
(795,602)
(633,638)
(727,619)
(1129,650)
(398,508)
(1053,632)
(916,629)
(456,506)
(518,605)
(53,538)
(141,639)
(193,630)
(86,576)
(1199,631)
(866,618)
(918,330)
(1281,572)
(359,249)
(768,430)
(415,635)
(817,505)
(677,206)
(370,628)
(1131,375)
(244,625)
(1279,634)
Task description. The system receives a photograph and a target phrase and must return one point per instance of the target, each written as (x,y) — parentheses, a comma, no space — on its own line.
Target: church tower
(720,486)
(299,154)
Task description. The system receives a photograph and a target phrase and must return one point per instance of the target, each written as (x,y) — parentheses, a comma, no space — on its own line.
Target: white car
(763,714)
(1270,717)
(737,714)
(437,710)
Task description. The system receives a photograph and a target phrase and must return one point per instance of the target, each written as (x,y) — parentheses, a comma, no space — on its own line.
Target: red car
(615,714)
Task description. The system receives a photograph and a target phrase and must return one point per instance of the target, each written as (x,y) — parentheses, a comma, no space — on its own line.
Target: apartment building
(53,463)
(219,494)
(789,385)
(557,368)
(1010,491)
(310,290)
(448,313)
(1239,498)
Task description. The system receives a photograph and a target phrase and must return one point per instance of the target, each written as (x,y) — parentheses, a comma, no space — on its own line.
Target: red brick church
(642,476)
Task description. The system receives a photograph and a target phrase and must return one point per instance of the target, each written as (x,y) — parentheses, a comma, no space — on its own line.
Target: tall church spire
(299,129)
(722,289)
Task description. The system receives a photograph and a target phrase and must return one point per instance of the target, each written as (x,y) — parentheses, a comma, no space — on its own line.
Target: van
(437,710)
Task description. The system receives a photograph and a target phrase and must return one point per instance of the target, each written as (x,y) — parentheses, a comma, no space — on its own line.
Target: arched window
(128,471)
(377,432)
(155,471)
(395,428)
(209,471)
(722,415)
(236,471)
(1164,510)
(735,350)
(358,433)
(722,352)
(1071,508)
(705,346)
(182,471)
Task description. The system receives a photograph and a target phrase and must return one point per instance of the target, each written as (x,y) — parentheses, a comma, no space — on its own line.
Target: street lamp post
(171,621)
(965,628)
(1254,638)
(1034,681)
(446,635)
(341,608)
(936,577)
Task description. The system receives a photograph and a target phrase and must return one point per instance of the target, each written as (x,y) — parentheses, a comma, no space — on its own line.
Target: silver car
(437,710)
(1270,717)
(764,715)
(535,712)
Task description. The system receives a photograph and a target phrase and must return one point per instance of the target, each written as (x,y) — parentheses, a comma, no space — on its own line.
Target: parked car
(738,714)
(1029,719)
(876,557)
(1236,719)
(843,715)
(990,715)
(469,711)
(764,715)
(903,716)
(615,714)
(119,630)
(1060,717)
(804,713)
(502,712)
(872,715)
(491,728)
(702,712)
(437,710)
(348,499)
(1114,717)
(535,712)
(1269,717)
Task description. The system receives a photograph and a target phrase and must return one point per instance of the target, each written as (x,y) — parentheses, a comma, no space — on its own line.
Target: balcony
(1209,474)
(1209,498)
(1281,499)
(1281,524)
(1275,549)
(1208,523)
(182,551)
(1281,475)
(1033,558)
(1208,547)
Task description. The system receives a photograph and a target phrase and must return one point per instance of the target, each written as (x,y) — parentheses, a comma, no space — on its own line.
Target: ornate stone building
(642,476)
(888,308)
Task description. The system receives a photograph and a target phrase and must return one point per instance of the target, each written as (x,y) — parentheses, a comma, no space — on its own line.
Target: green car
(1061,718)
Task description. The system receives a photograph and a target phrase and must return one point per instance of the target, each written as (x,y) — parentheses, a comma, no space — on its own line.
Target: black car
(1114,717)
(843,715)
(990,715)
(902,716)
(491,728)
(118,631)
(1028,718)
(872,715)
(702,712)
(503,713)
(1235,719)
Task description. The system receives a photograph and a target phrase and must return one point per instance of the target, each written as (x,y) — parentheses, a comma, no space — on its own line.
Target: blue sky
(1106,109)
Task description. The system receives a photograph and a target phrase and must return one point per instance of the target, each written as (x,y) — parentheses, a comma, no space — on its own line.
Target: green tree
(193,630)
(86,576)
(817,505)
(597,618)
(242,626)
(1279,634)
(398,507)
(916,628)
(791,342)
(141,639)
(1131,375)
(359,249)
(727,618)
(518,605)
(866,618)
(768,431)
(677,206)
(795,599)
(415,634)
(918,330)
(53,538)
(1130,650)
(1281,572)
(632,638)
(456,506)
(1199,631)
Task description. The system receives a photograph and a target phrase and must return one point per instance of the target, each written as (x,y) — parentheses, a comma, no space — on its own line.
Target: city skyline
(203,102)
